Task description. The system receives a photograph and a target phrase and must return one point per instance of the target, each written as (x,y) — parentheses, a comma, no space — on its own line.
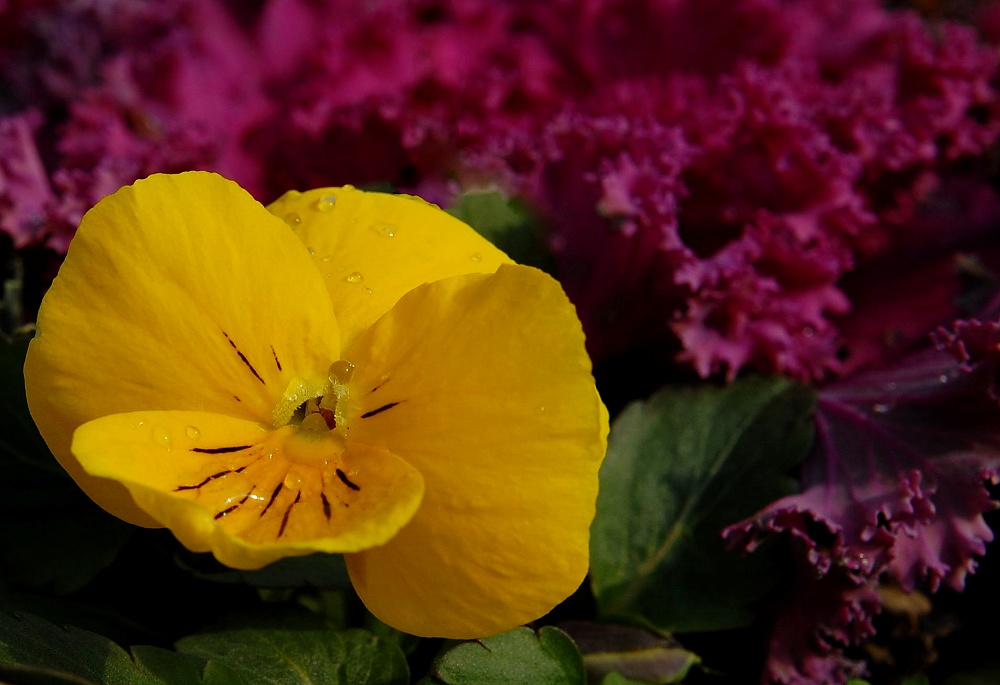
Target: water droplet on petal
(385,230)
(294,479)
(326,203)
(476,257)
(161,436)
(312,250)
(341,371)
(293,219)
(192,432)
(367,291)
(355,277)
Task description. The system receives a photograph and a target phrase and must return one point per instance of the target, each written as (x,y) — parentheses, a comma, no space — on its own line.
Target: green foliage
(286,656)
(50,532)
(35,651)
(623,652)
(548,657)
(680,468)
(508,224)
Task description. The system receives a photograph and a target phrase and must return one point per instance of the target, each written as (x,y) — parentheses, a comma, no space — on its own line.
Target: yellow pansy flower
(342,371)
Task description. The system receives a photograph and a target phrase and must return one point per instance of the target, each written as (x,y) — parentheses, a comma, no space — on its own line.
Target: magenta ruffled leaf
(896,486)
(971,341)
(801,654)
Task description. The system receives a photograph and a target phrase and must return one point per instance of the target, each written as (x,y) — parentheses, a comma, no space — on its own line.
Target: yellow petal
(482,383)
(179,292)
(248,493)
(373,248)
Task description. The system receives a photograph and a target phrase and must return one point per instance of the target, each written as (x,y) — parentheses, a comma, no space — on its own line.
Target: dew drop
(326,203)
(355,277)
(476,257)
(312,250)
(161,436)
(293,219)
(192,432)
(385,230)
(367,291)
(293,479)
(341,371)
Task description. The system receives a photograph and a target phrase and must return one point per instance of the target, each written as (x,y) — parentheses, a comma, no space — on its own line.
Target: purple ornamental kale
(895,488)
(711,170)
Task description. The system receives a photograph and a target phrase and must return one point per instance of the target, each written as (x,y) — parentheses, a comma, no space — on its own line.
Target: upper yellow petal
(244,491)
(482,383)
(178,292)
(372,248)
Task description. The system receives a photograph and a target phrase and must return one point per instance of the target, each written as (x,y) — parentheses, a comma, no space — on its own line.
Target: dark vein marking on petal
(373,412)
(220,450)
(243,358)
(226,511)
(347,481)
(276,360)
(274,496)
(326,505)
(237,398)
(288,511)
(378,386)
(220,474)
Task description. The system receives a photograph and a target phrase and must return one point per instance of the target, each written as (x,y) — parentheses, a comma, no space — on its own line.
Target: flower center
(321,427)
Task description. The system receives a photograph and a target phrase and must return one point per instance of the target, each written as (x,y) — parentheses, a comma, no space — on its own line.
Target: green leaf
(45,650)
(34,675)
(324,571)
(518,656)
(680,468)
(19,438)
(984,675)
(284,656)
(629,652)
(51,533)
(505,223)
(619,679)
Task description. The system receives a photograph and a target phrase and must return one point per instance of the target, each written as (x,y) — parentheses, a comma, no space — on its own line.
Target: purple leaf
(896,485)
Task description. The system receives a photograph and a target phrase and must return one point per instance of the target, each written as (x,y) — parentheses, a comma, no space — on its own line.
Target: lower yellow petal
(247,493)
(483,384)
